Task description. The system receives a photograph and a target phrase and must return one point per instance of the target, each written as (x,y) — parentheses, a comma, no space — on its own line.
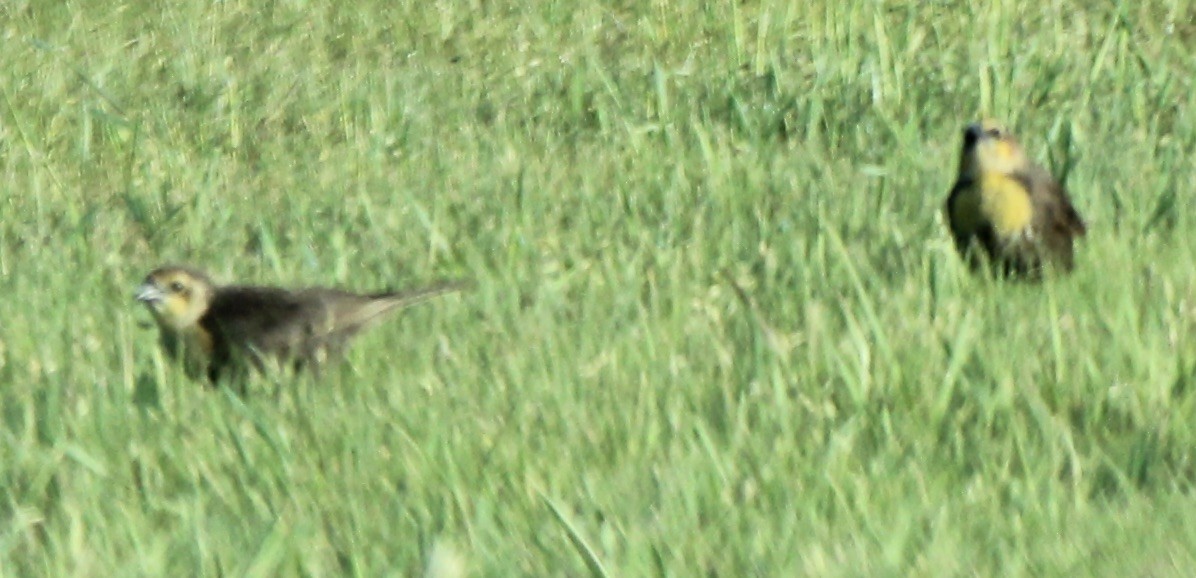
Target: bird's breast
(197,346)
(1005,204)
(192,346)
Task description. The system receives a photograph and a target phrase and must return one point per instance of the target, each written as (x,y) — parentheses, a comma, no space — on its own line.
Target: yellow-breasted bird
(220,329)
(1009,207)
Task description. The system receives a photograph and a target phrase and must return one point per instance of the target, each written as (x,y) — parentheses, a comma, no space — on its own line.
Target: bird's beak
(973,133)
(149,293)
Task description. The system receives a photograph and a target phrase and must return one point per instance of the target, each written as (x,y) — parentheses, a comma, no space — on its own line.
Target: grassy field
(605,402)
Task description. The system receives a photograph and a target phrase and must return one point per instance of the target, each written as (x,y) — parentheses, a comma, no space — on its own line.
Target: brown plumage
(217,330)
(1009,208)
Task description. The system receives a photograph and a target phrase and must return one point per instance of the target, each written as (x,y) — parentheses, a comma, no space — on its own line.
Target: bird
(1009,208)
(221,331)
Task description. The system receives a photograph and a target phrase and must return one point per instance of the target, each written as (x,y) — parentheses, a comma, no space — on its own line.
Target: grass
(718,329)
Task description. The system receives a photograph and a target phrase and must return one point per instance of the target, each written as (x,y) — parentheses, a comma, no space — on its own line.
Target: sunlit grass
(718,328)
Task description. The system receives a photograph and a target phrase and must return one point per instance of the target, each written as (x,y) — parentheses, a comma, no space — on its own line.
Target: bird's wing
(958,234)
(1053,209)
(1056,222)
(265,321)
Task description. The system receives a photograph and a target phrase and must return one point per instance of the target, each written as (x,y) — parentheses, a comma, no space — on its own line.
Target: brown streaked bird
(215,330)
(1009,208)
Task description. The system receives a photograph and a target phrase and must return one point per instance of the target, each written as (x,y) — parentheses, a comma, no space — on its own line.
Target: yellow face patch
(998,155)
(174,309)
(176,298)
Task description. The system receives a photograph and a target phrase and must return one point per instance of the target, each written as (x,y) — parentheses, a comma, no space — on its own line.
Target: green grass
(605,402)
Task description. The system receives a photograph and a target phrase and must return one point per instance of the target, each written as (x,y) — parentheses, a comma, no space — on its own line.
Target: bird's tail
(407,297)
(378,304)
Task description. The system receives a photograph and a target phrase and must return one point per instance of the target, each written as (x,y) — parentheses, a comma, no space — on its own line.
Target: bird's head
(176,296)
(989,148)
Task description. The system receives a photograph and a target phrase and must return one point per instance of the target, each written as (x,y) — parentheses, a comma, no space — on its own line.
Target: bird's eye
(176,287)
(994,132)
